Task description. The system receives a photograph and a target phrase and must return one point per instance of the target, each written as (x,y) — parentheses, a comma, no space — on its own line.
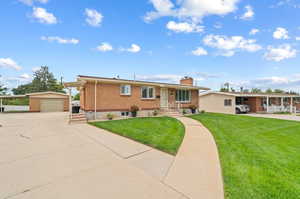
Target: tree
(278,91)
(3,90)
(256,90)
(43,80)
(77,96)
(269,90)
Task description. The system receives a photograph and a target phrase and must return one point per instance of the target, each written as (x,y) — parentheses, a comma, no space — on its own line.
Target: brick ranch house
(225,102)
(100,96)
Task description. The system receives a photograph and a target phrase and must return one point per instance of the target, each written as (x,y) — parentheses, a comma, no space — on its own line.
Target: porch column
(268,104)
(95,101)
(291,105)
(282,106)
(70,102)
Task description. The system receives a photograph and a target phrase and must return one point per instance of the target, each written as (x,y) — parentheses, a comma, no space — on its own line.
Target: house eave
(142,83)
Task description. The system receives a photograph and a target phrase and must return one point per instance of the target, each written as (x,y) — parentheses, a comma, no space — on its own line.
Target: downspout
(95,101)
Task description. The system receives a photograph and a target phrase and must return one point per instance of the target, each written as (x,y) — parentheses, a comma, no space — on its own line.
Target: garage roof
(45,93)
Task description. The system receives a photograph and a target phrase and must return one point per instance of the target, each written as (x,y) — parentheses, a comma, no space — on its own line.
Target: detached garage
(48,102)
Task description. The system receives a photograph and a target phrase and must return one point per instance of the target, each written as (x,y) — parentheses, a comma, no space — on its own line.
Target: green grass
(163,133)
(260,157)
(282,113)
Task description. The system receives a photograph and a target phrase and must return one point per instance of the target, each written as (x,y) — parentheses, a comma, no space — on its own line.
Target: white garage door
(52,105)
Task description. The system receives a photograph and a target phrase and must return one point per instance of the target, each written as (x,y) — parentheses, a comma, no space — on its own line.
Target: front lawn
(163,133)
(260,157)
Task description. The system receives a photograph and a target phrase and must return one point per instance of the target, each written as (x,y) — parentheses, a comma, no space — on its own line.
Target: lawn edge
(152,147)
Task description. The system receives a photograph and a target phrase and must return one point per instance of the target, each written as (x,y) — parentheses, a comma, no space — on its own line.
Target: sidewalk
(196,171)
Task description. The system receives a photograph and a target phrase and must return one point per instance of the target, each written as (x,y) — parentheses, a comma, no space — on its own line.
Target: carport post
(282,107)
(291,105)
(1,105)
(268,100)
(70,103)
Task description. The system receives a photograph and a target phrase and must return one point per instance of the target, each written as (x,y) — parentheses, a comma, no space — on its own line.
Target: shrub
(134,109)
(202,111)
(184,112)
(192,107)
(155,112)
(110,116)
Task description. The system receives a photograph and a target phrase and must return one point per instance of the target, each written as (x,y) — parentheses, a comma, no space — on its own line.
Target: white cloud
(31,2)
(184,27)
(25,77)
(9,63)
(94,18)
(231,44)
(34,69)
(104,47)
(254,31)
(280,53)
(190,9)
(249,14)
(281,33)
(160,78)
(199,52)
(60,40)
(298,38)
(43,16)
(133,49)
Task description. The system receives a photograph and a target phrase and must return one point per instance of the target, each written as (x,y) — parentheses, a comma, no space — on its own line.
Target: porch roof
(137,82)
(237,94)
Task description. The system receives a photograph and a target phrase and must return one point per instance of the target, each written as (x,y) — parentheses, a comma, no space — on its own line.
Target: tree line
(43,80)
(227,88)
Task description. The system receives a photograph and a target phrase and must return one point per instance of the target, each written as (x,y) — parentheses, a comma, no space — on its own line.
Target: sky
(244,42)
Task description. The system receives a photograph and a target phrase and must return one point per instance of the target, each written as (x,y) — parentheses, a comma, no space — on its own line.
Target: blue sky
(247,43)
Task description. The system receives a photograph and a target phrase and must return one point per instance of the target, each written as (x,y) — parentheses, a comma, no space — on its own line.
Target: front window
(125,90)
(183,95)
(227,102)
(147,92)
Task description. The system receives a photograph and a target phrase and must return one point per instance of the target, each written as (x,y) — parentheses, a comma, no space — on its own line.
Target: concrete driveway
(42,157)
(277,116)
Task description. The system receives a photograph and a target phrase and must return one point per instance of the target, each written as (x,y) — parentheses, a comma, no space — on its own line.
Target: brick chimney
(187,81)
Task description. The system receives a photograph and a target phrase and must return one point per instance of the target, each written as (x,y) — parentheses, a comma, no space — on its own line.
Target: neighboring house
(99,95)
(225,102)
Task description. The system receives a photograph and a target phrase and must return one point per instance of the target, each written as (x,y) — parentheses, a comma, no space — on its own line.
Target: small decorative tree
(134,109)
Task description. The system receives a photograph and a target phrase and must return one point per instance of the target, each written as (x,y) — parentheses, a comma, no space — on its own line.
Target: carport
(8,97)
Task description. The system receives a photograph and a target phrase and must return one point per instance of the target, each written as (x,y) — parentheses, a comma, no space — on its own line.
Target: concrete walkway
(196,171)
(42,157)
(277,116)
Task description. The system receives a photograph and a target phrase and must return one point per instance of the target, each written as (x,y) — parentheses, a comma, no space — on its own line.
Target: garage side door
(52,105)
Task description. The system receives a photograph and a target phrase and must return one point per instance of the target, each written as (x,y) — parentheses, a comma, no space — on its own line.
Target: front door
(164,95)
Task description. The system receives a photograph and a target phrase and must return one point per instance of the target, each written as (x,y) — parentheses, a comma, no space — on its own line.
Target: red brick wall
(109,98)
(255,104)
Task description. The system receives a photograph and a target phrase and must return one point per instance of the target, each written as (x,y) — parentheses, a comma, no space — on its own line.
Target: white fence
(277,109)
(8,108)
